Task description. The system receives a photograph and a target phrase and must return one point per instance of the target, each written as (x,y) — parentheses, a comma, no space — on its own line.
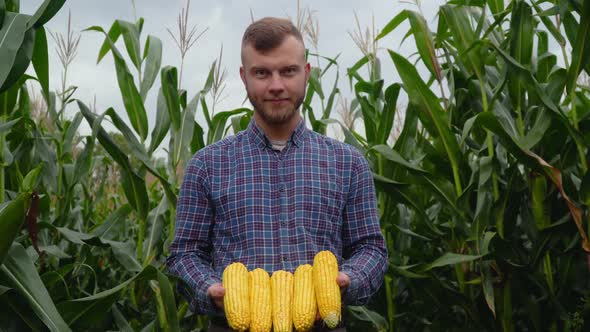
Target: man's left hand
(342,280)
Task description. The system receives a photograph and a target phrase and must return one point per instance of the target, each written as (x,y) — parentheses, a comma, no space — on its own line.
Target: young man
(277,193)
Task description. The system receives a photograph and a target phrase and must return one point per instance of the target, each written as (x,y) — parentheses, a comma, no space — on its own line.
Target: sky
(225,22)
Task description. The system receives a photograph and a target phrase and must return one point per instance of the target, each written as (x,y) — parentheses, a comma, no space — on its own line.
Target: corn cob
(236,301)
(304,302)
(325,272)
(281,284)
(260,301)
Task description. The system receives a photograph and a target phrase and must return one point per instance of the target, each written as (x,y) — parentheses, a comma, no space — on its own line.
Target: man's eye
(260,73)
(290,71)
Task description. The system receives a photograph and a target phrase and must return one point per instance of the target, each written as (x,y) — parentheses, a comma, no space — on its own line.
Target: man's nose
(276,84)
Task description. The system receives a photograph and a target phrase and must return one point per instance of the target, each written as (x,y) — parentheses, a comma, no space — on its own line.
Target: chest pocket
(320,202)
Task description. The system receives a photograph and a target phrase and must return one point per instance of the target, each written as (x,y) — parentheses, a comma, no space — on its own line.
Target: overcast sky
(226,21)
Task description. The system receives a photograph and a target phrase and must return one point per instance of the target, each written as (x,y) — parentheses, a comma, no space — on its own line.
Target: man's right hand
(216,292)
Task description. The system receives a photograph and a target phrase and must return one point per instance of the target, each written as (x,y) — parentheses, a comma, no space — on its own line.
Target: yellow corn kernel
(281,284)
(304,302)
(236,301)
(325,272)
(260,301)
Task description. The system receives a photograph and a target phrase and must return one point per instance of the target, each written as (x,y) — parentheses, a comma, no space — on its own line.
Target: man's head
(274,70)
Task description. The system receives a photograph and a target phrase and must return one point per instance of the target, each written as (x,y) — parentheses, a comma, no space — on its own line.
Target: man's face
(275,80)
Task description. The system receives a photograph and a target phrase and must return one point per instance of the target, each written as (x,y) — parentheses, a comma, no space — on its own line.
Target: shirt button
(285,258)
(281,187)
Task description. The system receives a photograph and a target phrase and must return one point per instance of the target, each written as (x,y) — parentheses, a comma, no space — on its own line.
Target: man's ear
(307,70)
(243,74)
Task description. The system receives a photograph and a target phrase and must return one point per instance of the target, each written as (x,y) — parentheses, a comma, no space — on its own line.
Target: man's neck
(278,132)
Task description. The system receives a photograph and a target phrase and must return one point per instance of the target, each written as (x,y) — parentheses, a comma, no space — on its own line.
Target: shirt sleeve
(190,252)
(364,252)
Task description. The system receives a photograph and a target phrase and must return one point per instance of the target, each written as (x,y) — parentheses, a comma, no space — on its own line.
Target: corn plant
(483,196)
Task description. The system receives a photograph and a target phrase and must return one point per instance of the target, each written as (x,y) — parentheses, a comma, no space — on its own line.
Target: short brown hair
(269,32)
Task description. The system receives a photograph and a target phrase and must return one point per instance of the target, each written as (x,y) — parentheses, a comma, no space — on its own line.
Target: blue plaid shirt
(242,201)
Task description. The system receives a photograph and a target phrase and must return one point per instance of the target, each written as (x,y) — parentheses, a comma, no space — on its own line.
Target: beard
(288,109)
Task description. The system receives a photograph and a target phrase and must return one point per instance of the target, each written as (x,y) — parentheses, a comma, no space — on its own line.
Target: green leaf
(139,152)
(424,43)
(450,258)
(22,274)
(84,312)
(555,32)
(166,304)
(45,12)
(40,60)
(314,81)
(169,81)
(521,49)
(108,228)
(121,322)
(496,6)
(12,217)
(2,12)
(12,36)
(153,52)
(362,313)
(431,112)
(113,35)
(156,220)
(162,123)
(385,124)
(219,123)
(393,24)
(5,127)
(131,98)
(352,72)
(133,185)
(488,287)
(30,181)
(131,38)
(71,132)
(457,19)
(581,49)
(183,138)
(84,161)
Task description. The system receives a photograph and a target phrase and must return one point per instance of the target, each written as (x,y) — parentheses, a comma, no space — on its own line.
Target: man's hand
(216,292)
(342,280)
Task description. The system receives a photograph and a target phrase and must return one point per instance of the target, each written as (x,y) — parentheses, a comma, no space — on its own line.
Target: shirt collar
(259,138)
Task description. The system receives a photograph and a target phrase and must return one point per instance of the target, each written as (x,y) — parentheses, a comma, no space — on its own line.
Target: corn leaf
(581,49)
(22,274)
(40,60)
(131,98)
(162,123)
(133,185)
(45,12)
(152,66)
(169,81)
(16,49)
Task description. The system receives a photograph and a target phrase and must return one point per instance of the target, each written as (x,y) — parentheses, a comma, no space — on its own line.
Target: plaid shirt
(242,201)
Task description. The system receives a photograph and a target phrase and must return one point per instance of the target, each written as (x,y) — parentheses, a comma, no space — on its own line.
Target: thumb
(217,291)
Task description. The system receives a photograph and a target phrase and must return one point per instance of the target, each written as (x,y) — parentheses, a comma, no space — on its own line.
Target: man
(275,194)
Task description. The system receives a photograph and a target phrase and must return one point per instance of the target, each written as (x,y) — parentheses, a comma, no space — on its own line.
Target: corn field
(482,179)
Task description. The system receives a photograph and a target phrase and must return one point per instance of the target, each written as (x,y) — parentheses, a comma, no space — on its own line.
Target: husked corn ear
(236,301)
(260,301)
(325,272)
(304,302)
(281,284)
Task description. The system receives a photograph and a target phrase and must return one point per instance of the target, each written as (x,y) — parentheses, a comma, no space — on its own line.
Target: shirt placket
(283,211)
